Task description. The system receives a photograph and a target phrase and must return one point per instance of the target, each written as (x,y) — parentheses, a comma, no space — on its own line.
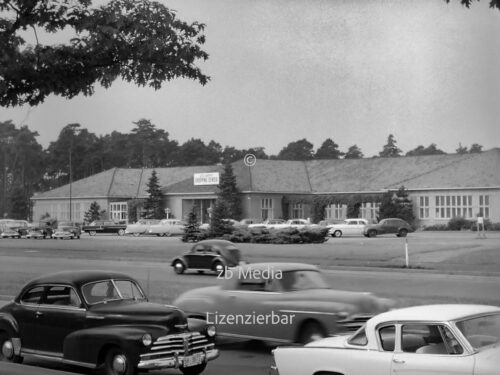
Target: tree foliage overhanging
(140,41)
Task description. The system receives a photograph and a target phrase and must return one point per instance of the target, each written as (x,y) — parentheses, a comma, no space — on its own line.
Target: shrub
(459,223)
(272,236)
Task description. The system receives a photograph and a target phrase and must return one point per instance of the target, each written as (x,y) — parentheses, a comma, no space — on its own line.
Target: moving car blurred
(142,226)
(208,255)
(168,227)
(101,320)
(67,229)
(104,226)
(349,227)
(280,302)
(388,226)
(430,340)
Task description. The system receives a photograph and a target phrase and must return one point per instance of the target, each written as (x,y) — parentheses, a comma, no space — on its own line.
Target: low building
(440,186)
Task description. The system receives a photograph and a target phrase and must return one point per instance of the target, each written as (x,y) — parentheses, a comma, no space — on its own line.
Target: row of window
(449,206)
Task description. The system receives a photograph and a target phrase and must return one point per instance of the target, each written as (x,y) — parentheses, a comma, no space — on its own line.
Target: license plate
(193,360)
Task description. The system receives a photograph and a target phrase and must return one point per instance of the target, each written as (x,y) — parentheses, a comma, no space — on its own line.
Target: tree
(229,194)
(397,204)
(141,41)
(192,228)
(390,149)
(475,148)
(461,150)
(196,152)
(353,152)
(467,3)
(430,150)
(93,213)
(299,150)
(218,223)
(328,150)
(153,207)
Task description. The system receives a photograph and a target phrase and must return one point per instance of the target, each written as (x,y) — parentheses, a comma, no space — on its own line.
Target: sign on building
(206,178)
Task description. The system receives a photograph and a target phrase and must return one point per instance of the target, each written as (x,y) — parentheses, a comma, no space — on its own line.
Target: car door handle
(395,360)
(38,314)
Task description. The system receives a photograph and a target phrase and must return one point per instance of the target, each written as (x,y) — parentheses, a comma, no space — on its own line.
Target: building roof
(449,171)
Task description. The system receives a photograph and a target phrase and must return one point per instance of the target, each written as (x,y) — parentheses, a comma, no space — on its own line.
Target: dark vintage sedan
(101,320)
(280,302)
(396,226)
(104,226)
(208,255)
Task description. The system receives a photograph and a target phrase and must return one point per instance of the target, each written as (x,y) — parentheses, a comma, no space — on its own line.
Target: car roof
(215,242)
(282,266)
(441,312)
(77,277)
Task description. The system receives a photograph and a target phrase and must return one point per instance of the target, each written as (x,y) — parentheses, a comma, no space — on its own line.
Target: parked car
(36,233)
(8,226)
(349,227)
(104,226)
(248,221)
(140,227)
(293,293)
(208,255)
(269,223)
(388,226)
(8,232)
(67,229)
(168,227)
(99,319)
(234,223)
(293,223)
(430,340)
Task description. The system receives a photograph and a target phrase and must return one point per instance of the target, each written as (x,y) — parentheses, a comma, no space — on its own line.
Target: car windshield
(302,280)
(481,331)
(111,290)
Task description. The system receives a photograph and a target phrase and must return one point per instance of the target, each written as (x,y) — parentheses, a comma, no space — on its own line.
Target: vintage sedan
(142,226)
(396,226)
(99,319)
(279,302)
(168,227)
(208,255)
(104,226)
(349,227)
(8,232)
(292,223)
(431,340)
(37,233)
(269,223)
(67,230)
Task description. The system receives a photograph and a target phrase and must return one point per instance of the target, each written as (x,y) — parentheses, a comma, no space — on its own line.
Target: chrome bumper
(175,361)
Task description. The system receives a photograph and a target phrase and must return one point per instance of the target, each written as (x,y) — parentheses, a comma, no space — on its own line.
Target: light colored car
(168,227)
(350,227)
(430,340)
(293,223)
(269,223)
(142,226)
(67,230)
(234,223)
(7,232)
(279,302)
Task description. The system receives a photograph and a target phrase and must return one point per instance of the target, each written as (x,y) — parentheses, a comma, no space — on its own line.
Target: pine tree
(219,225)
(153,207)
(390,149)
(397,205)
(229,193)
(93,214)
(192,228)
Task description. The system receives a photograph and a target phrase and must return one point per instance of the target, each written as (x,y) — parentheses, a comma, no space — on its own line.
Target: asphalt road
(147,259)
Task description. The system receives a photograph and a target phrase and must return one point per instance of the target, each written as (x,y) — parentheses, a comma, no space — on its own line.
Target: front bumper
(175,362)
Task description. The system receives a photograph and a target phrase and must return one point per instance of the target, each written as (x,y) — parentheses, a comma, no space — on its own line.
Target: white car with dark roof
(447,339)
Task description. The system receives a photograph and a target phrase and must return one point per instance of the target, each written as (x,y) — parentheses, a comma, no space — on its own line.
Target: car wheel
(7,350)
(402,232)
(121,232)
(337,233)
(179,267)
(372,233)
(193,370)
(218,267)
(118,363)
(311,331)
(137,234)
(92,233)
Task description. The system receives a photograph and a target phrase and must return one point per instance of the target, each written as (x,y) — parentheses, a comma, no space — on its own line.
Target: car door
(59,314)
(430,349)
(25,313)
(389,226)
(194,258)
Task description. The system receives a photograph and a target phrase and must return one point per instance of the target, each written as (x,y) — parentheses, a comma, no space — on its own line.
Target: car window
(33,295)
(429,339)
(359,338)
(387,337)
(61,296)
(481,331)
(198,249)
(302,280)
(128,290)
(100,292)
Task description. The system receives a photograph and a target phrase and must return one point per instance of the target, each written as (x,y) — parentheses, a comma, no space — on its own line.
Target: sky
(282,70)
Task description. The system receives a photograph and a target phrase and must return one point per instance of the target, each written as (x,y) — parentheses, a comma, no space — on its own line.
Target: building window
(424,208)
(267,208)
(484,206)
(335,211)
(448,206)
(118,211)
(297,210)
(370,210)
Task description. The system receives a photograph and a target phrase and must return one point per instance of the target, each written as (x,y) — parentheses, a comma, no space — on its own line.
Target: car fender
(218,259)
(181,259)
(9,324)
(89,345)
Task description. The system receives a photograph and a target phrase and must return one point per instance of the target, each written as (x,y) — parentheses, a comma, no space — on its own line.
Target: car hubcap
(178,266)
(119,364)
(8,350)
(219,268)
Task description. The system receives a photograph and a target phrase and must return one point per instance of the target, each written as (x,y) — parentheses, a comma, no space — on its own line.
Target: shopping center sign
(206,178)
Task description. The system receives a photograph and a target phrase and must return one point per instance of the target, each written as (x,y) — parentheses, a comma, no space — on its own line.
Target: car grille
(353,322)
(178,345)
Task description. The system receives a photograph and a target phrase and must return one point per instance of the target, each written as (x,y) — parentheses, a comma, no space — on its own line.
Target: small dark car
(208,255)
(396,226)
(67,230)
(103,320)
(104,226)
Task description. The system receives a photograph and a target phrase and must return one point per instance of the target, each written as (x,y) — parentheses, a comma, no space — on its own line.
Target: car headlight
(211,331)
(342,315)
(147,339)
